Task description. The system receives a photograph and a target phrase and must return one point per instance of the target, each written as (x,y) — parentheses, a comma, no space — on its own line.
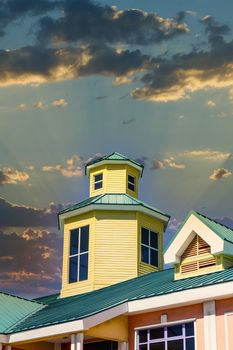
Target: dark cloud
(87,21)
(226,221)
(20,216)
(30,264)
(128,121)
(12,10)
(175,78)
(142,160)
(35,65)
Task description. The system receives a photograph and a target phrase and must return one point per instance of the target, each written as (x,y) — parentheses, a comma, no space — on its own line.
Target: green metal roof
(115,157)
(112,199)
(221,230)
(60,310)
(14,309)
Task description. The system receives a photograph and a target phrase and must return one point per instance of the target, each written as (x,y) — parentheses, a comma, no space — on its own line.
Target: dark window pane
(157,333)
(157,346)
(98,177)
(175,330)
(84,239)
(145,254)
(73,269)
(83,274)
(153,257)
(98,185)
(145,236)
(74,241)
(189,329)
(154,240)
(131,179)
(190,344)
(143,347)
(131,187)
(176,345)
(142,336)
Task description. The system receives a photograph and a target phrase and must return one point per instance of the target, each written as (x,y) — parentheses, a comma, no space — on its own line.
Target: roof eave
(112,161)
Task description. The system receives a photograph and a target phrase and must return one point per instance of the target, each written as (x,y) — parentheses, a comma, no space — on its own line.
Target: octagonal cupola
(114,173)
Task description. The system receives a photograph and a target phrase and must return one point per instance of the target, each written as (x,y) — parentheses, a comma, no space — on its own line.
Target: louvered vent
(189,267)
(197,247)
(207,263)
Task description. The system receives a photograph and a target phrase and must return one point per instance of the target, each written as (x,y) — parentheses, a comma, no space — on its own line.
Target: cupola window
(131,183)
(78,257)
(98,181)
(149,247)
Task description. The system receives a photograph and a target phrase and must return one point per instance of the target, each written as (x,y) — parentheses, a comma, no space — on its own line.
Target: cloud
(107,24)
(231,95)
(101,97)
(23,106)
(61,102)
(211,104)
(9,176)
(39,105)
(13,10)
(30,262)
(14,215)
(220,173)
(206,154)
(72,168)
(227,221)
(177,77)
(167,163)
(128,121)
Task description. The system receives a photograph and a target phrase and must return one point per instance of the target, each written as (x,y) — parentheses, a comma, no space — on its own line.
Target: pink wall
(222,307)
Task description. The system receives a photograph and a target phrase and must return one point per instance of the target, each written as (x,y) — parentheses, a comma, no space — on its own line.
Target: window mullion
(79,244)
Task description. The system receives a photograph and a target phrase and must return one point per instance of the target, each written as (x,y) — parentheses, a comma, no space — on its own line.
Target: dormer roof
(113,158)
(218,236)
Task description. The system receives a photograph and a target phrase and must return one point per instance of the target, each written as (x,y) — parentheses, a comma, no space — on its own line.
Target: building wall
(224,324)
(173,315)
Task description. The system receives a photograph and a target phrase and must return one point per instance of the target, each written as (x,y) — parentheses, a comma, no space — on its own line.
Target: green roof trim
(115,156)
(14,309)
(112,199)
(60,310)
(221,230)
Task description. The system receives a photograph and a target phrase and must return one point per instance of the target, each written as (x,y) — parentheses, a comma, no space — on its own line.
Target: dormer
(114,173)
(200,246)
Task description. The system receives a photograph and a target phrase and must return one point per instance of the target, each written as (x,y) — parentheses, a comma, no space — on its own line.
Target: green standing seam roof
(221,230)
(59,310)
(112,199)
(116,157)
(14,309)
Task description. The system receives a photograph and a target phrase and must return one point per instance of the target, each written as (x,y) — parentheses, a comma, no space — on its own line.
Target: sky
(79,79)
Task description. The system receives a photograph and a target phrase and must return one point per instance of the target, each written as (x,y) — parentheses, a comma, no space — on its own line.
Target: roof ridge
(21,298)
(219,223)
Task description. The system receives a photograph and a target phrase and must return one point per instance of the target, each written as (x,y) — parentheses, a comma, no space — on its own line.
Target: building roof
(14,309)
(114,157)
(59,310)
(121,199)
(224,232)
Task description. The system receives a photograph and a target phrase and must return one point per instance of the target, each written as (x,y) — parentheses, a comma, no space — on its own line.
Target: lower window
(172,337)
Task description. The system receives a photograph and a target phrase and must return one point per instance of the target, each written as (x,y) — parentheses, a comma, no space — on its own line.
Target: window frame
(98,181)
(166,338)
(131,183)
(149,246)
(78,254)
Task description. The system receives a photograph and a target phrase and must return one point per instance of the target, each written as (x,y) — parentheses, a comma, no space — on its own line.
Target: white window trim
(165,324)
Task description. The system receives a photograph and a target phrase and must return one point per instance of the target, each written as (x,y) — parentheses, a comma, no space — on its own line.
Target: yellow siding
(83,286)
(115,329)
(156,226)
(116,178)
(115,247)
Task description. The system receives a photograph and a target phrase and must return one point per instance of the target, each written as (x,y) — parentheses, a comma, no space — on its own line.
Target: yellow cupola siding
(112,236)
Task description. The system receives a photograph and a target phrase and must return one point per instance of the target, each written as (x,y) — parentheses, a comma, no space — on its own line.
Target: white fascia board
(68,327)
(4,339)
(193,226)
(124,207)
(186,297)
(109,161)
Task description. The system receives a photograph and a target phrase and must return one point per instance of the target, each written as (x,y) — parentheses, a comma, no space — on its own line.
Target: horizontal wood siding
(116,178)
(156,226)
(115,247)
(69,289)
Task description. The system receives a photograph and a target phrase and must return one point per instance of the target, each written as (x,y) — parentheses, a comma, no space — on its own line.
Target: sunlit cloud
(39,105)
(73,167)
(9,176)
(211,104)
(206,154)
(61,102)
(220,173)
(167,163)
